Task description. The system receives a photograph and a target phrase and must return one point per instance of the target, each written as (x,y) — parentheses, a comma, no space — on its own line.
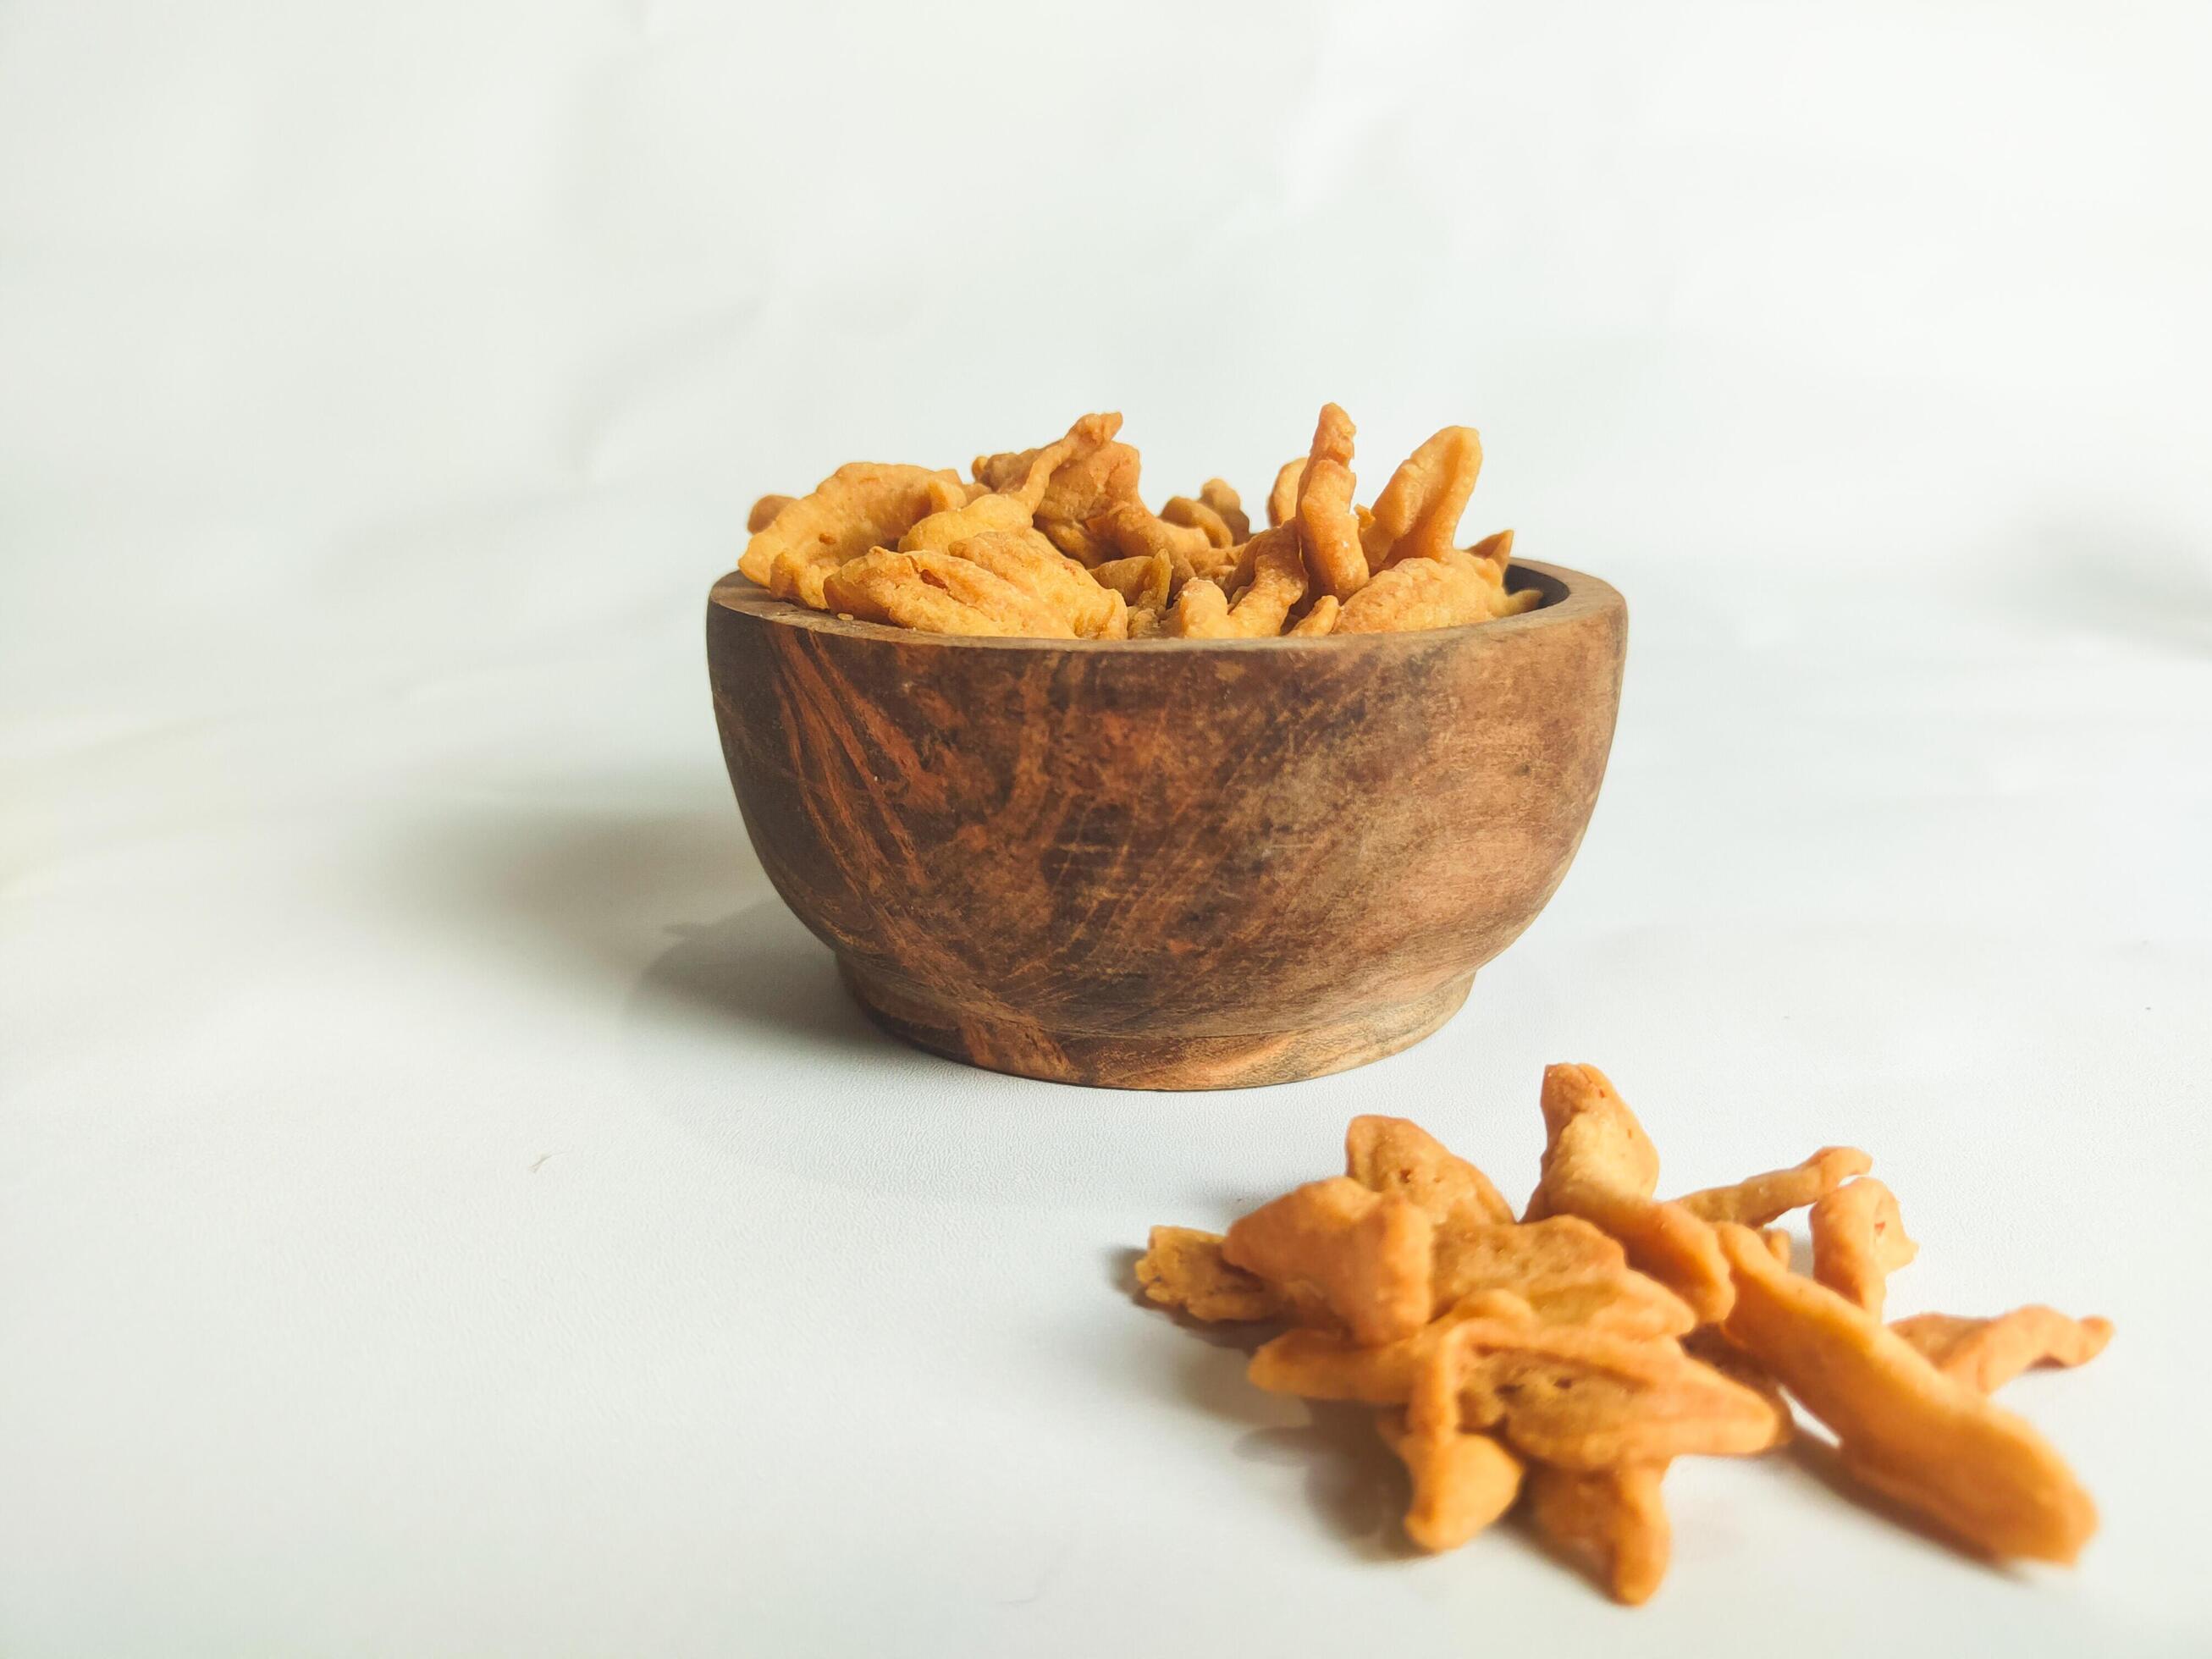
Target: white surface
(446,1206)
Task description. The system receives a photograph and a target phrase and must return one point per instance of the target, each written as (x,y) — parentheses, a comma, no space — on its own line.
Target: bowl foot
(1161,1059)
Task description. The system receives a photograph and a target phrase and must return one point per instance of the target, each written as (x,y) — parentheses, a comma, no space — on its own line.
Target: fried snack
(1143,582)
(1194,514)
(1203,611)
(1327,525)
(1461,1482)
(1367,1254)
(1396,1155)
(860,506)
(764,512)
(1777,1244)
(1449,592)
(1033,564)
(1013,505)
(1611,1522)
(1599,1164)
(939,593)
(1130,530)
(1184,1268)
(1418,513)
(1319,620)
(1858,1241)
(1566,1271)
(1283,494)
(1079,490)
(1709,1346)
(1200,611)
(1229,507)
(1985,1354)
(1762,1198)
(1904,1428)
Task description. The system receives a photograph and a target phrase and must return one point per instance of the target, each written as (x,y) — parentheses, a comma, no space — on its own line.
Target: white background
(446,1205)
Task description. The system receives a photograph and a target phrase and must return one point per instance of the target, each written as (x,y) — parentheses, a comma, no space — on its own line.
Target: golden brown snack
(1396,1155)
(1143,582)
(1566,1271)
(1184,1268)
(939,593)
(1858,1241)
(860,506)
(1079,490)
(1283,494)
(764,512)
(1709,1346)
(1200,611)
(1778,1242)
(1318,621)
(1229,506)
(1760,1200)
(1327,525)
(1366,1252)
(1905,1429)
(1014,506)
(1571,1396)
(1033,564)
(1146,622)
(1461,1482)
(1496,549)
(1279,581)
(1418,513)
(1599,1164)
(1130,530)
(1611,1522)
(1194,514)
(1450,592)
(1985,1354)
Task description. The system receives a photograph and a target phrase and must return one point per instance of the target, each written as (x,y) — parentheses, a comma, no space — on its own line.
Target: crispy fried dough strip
(1131,529)
(1142,582)
(1229,506)
(1599,1164)
(861,505)
(1858,1241)
(1319,620)
(1033,564)
(764,512)
(1418,513)
(1759,1199)
(1396,1155)
(1184,1268)
(1194,514)
(1461,1482)
(1905,1429)
(1450,592)
(1327,524)
(1367,1253)
(941,593)
(1613,1522)
(1283,494)
(1014,506)
(1985,1354)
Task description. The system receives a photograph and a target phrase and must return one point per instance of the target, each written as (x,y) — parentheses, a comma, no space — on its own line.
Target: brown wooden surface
(1156,864)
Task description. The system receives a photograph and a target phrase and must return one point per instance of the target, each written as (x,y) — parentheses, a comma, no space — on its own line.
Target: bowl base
(1162,1059)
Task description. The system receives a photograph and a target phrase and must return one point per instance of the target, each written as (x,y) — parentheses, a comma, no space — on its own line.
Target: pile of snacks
(1055,543)
(1565,1357)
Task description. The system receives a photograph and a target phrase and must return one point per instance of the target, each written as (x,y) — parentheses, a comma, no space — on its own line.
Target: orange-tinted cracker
(1906,1430)
(1184,1268)
(941,593)
(1566,1271)
(861,505)
(1327,524)
(1858,1241)
(1496,549)
(764,512)
(1366,1252)
(1453,591)
(1318,621)
(1283,494)
(1613,1522)
(1985,1354)
(1418,513)
(1461,1482)
(1141,582)
(1015,505)
(1599,1164)
(1194,514)
(1130,530)
(1033,564)
(1225,501)
(1756,1201)
(1396,1155)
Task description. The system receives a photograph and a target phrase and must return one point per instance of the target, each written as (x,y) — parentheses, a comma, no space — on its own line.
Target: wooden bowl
(1156,865)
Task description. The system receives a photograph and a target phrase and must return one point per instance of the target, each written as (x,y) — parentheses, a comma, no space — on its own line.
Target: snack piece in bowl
(1194,570)
(1544,1363)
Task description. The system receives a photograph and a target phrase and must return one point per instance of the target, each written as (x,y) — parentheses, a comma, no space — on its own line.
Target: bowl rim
(1581,595)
